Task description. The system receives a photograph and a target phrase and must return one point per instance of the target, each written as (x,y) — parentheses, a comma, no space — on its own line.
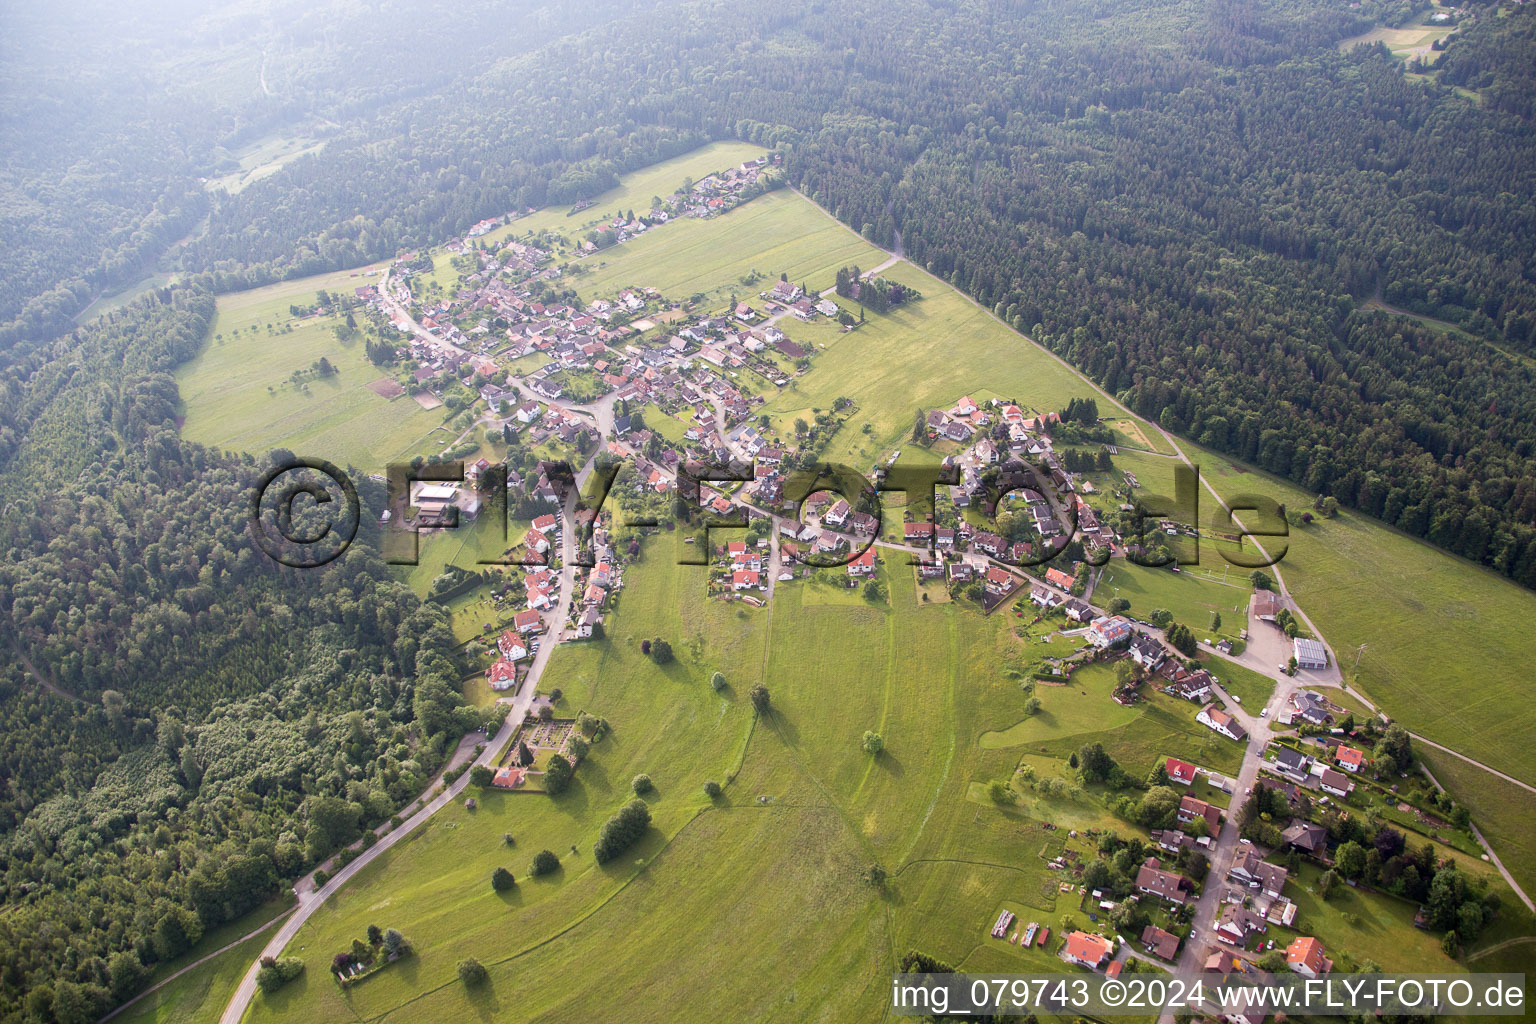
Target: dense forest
(184,723)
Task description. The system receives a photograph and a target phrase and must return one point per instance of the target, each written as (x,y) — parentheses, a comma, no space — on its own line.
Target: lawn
(1253,688)
(1361,926)
(1138,737)
(1190,594)
(237,393)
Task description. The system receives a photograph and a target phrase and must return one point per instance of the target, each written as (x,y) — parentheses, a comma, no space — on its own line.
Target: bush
(545,863)
(760,699)
(481,775)
(621,831)
(642,784)
(502,880)
(712,789)
(274,974)
(717,681)
(472,972)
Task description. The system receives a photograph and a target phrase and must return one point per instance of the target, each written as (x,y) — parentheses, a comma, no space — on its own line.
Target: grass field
(1502,811)
(237,393)
(1191,595)
(804,813)
(762,887)
(776,233)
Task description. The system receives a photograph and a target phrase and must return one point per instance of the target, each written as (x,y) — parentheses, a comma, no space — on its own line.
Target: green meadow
(762,886)
(777,233)
(237,393)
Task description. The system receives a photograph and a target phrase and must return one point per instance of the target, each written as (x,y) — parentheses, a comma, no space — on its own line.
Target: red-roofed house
(864,565)
(743,579)
(1350,759)
(1181,772)
(1058,578)
(1088,950)
(502,675)
(1306,956)
(528,621)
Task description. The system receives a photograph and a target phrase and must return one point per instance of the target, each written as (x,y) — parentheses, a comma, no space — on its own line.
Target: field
(1193,595)
(237,393)
(805,811)
(776,233)
(1408,42)
(1502,812)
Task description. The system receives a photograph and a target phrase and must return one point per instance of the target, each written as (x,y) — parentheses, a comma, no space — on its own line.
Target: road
(312,899)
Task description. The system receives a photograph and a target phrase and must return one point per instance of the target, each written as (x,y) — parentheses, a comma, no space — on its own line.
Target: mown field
(237,392)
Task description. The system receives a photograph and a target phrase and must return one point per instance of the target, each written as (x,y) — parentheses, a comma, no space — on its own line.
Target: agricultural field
(239,392)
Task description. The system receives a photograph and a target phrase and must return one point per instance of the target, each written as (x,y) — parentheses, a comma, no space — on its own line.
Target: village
(1028,512)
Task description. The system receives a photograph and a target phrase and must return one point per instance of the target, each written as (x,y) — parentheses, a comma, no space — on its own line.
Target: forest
(185,724)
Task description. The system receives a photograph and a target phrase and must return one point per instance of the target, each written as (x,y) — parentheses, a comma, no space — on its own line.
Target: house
(989,544)
(1110,632)
(1044,596)
(1088,950)
(744,579)
(1058,578)
(1167,885)
(502,675)
(512,645)
(1237,922)
(1195,809)
(1147,652)
(826,307)
(507,778)
(1336,783)
(1214,718)
(1306,836)
(535,541)
(999,581)
(1252,870)
(917,533)
(1173,840)
(528,621)
(864,565)
(837,515)
(590,617)
(783,291)
(1079,611)
(1293,764)
(1191,686)
(1312,707)
(1181,772)
(1266,605)
(1350,759)
(1309,654)
(1161,944)
(1307,957)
